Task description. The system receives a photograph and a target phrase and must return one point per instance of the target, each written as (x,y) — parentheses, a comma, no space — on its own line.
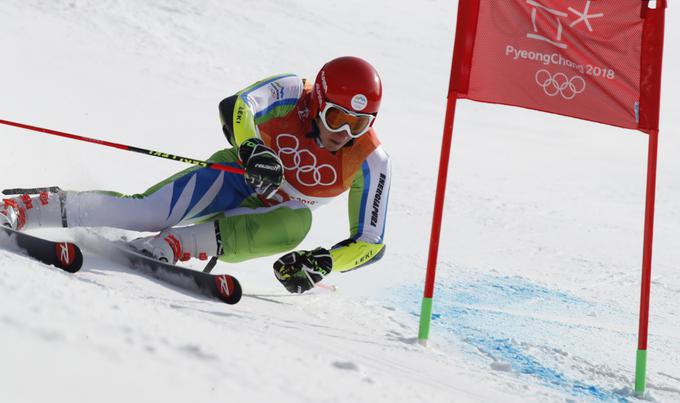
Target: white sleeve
(369,198)
(275,96)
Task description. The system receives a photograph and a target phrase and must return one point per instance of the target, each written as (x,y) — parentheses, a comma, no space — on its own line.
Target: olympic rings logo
(560,84)
(304,162)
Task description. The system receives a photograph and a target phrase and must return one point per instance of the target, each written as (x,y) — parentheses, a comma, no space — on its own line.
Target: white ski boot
(180,243)
(11,215)
(165,247)
(25,212)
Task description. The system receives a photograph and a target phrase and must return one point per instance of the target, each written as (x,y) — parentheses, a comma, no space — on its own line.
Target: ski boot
(23,213)
(11,215)
(179,244)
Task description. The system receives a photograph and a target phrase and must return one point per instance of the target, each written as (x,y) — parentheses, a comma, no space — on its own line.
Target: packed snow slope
(538,282)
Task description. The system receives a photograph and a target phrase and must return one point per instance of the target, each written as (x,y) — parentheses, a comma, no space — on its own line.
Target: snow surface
(538,282)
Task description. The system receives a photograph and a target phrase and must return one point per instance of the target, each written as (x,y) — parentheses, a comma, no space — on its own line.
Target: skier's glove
(264,170)
(299,271)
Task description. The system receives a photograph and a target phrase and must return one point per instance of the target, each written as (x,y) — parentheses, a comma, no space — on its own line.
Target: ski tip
(228,288)
(69,257)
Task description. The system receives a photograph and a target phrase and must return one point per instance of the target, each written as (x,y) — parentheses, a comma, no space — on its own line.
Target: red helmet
(350,82)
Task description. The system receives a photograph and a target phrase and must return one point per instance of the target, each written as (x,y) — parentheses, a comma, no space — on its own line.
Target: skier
(301,144)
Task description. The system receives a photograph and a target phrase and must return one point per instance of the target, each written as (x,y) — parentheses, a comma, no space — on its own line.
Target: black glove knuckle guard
(264,170)
(299,271)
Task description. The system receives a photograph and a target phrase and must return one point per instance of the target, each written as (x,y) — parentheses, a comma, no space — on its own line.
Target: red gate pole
(641,357)
(426,307)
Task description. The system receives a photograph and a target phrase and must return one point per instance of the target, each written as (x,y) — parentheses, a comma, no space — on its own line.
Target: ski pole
(204,164)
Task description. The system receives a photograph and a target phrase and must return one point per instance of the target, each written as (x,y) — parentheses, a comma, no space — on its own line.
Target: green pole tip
(425,315)
(640,373)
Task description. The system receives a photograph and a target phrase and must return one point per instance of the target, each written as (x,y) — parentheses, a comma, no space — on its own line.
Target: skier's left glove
(264,170)
(299,271)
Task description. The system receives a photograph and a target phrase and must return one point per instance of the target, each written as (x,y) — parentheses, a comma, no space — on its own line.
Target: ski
(64,255)
(223,287)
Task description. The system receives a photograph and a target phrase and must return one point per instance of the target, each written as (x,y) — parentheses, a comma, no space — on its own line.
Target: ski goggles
(336,118)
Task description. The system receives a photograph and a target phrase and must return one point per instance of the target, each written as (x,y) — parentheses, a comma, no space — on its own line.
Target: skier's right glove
(299,271)
(264,170)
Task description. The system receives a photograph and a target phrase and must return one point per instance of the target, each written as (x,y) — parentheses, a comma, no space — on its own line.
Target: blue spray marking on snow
(500,317)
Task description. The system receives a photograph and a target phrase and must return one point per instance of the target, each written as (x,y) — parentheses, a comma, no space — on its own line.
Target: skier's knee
(250,233)
(302,220)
